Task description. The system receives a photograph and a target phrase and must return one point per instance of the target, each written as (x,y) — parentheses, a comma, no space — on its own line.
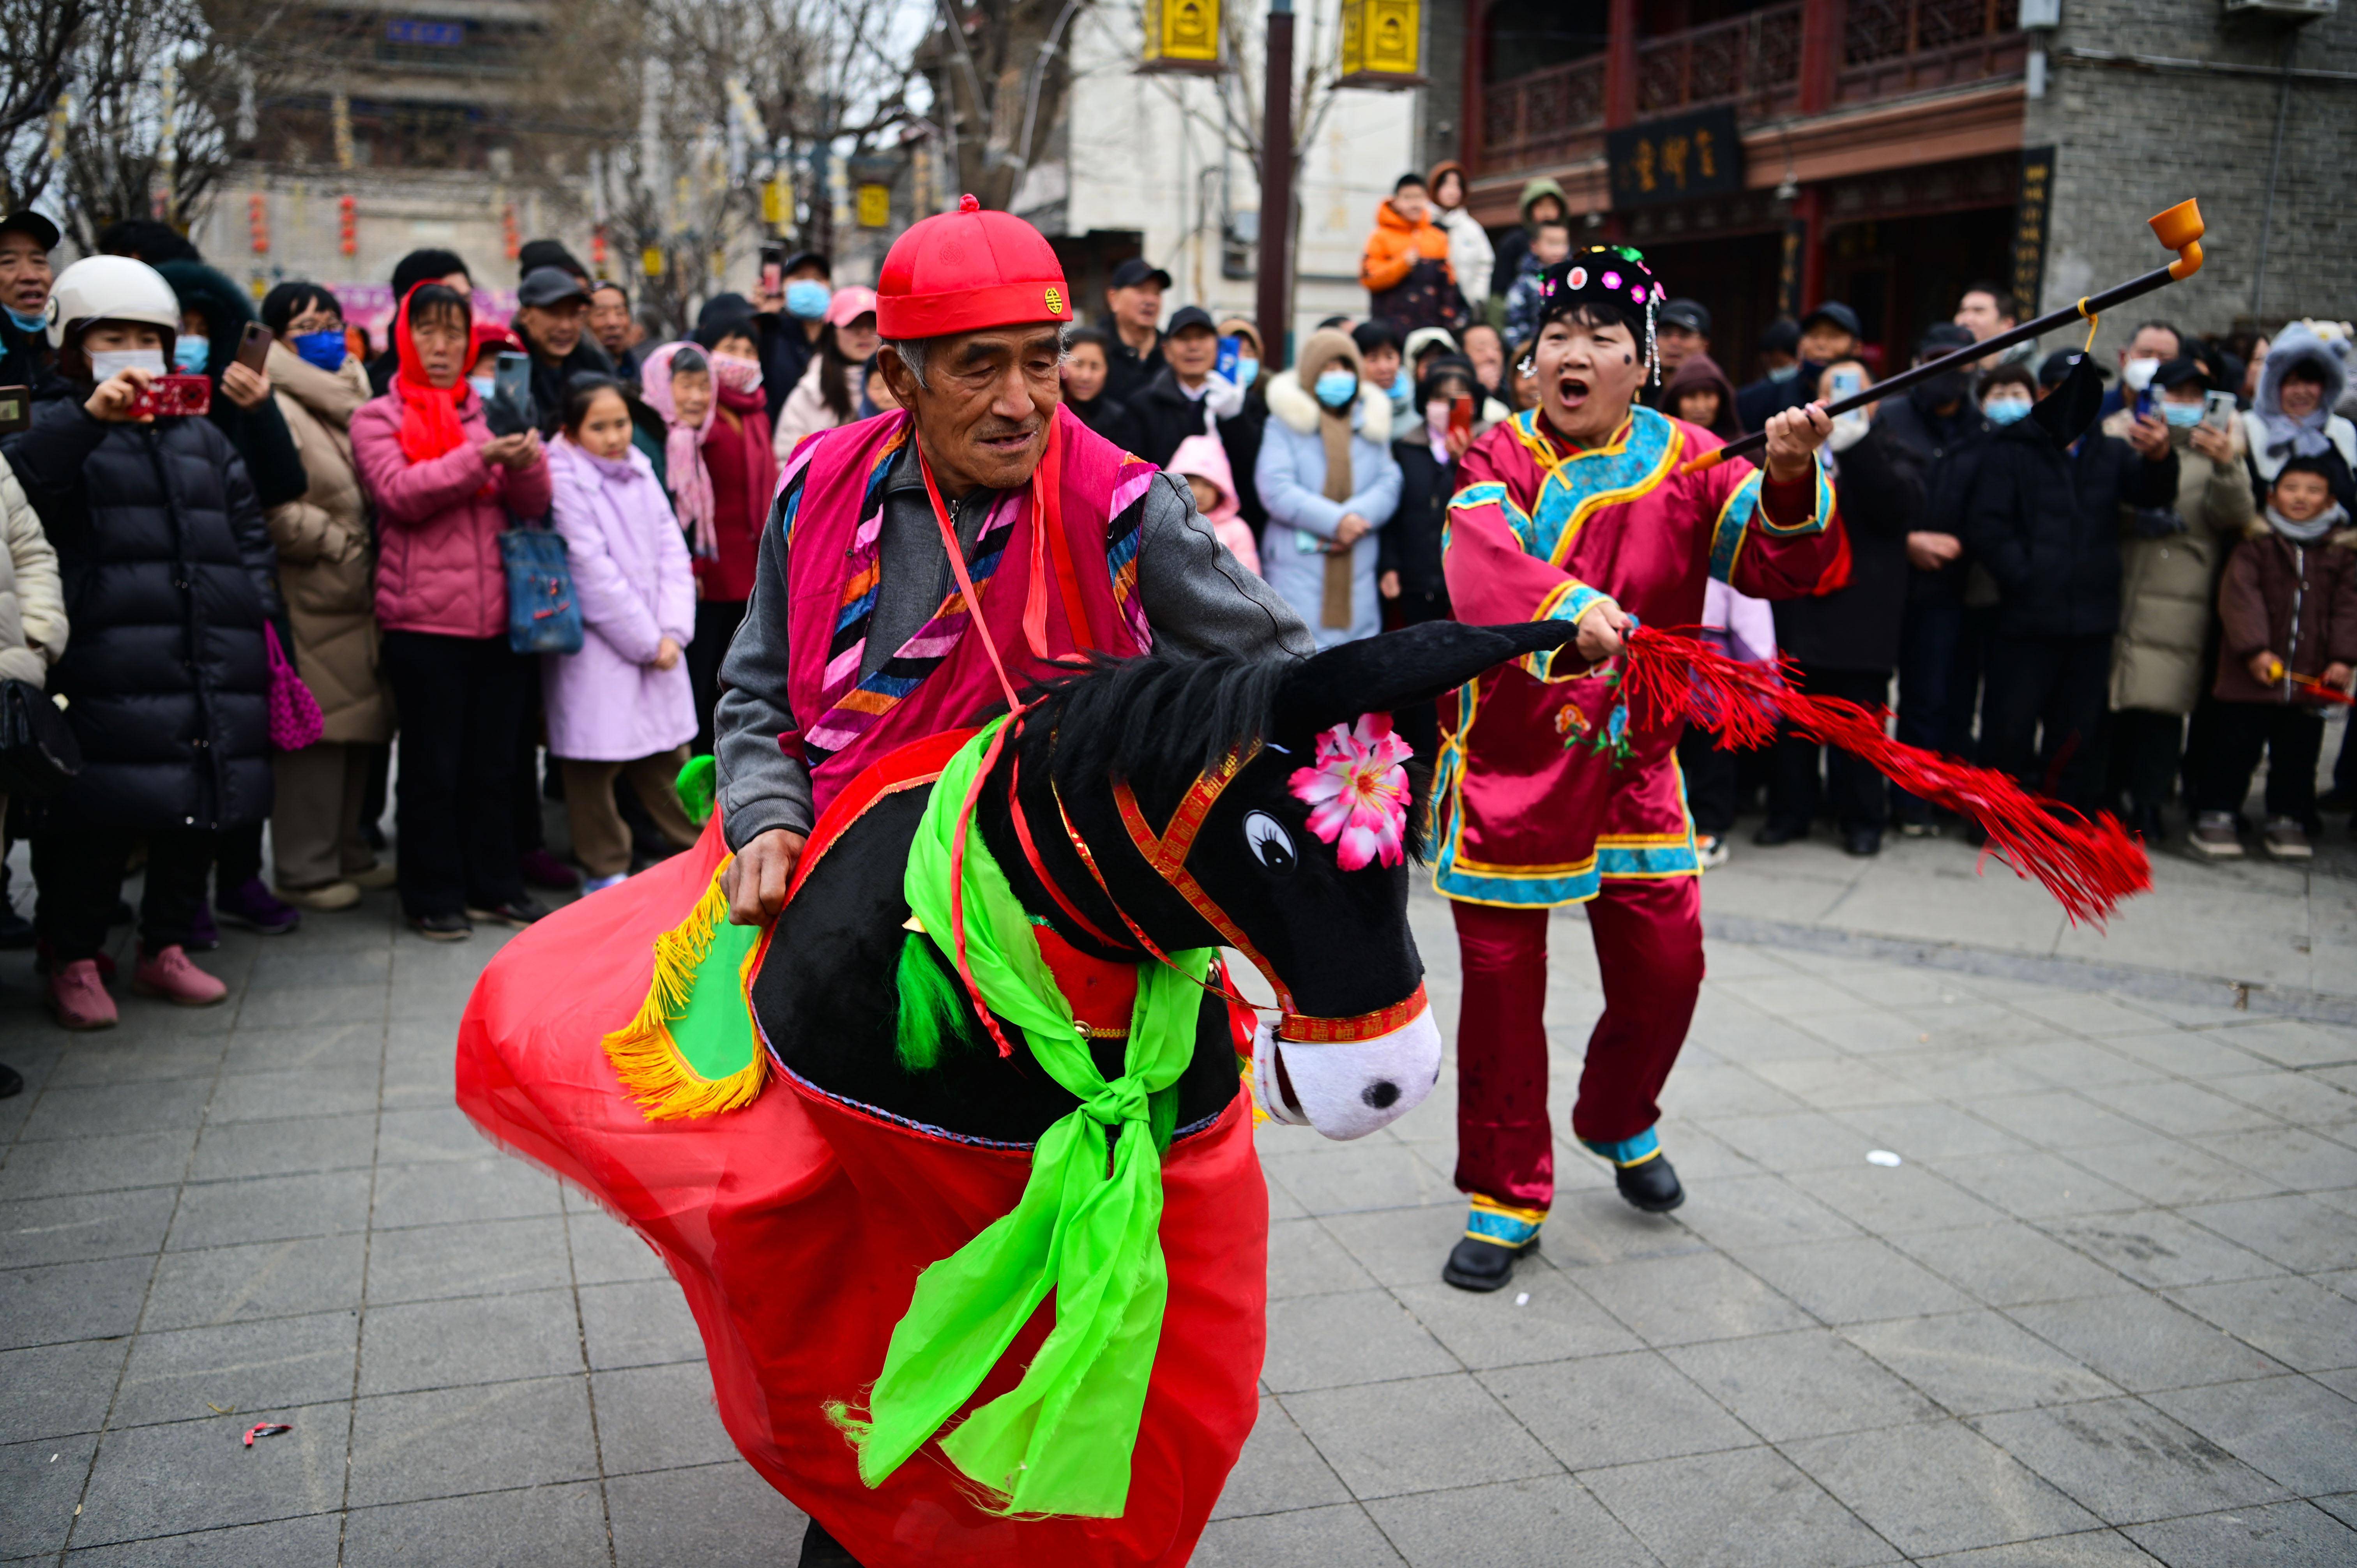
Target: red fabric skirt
(797,1228)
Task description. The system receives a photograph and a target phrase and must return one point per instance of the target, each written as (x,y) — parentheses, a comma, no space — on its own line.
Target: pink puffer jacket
(438,523)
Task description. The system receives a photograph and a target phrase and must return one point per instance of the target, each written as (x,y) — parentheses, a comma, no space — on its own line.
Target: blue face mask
(191,353)
(806,300)
(483,386)
(1246,371)
(1335,389)
(1402,394)
(2183,415)
(325,349)
(1784,372)
(2007,410)
(28,323)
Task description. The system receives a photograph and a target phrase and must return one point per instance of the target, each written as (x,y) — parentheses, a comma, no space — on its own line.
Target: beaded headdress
(1604,274)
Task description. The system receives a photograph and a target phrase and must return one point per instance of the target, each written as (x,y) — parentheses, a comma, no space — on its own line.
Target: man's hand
(2336,675)
(1794,437)
(755,880)
(111,403)
(521,450)
(2149,436)
(1601,631)
(1927,551)
(1350,530)
(244,386)
(2215,445)
(2266,668)
(1388,584)
(666,654)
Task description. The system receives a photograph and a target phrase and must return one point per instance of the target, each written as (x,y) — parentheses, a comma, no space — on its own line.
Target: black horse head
(1192,783)
(1357,1048)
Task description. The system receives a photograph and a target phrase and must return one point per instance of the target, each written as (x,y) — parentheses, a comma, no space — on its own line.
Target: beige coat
(326,562)
(2168,586)
(32,599)
(805,411)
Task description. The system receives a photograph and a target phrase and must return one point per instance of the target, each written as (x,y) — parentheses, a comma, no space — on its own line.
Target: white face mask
(107,363)
(2137,372)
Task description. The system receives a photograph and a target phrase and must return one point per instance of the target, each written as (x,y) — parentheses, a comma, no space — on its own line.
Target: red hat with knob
(963,271)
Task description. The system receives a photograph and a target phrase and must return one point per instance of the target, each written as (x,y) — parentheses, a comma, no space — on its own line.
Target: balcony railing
(1536,119)
(1894,46)
(1889,48)
(1751,61)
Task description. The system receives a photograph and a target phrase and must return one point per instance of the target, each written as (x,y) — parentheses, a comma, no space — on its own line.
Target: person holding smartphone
(169,571)
(2169,560)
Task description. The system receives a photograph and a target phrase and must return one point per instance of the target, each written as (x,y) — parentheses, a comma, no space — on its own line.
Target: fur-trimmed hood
(1289,401)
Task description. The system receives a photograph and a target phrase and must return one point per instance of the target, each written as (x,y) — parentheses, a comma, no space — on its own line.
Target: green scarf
(1059,1442)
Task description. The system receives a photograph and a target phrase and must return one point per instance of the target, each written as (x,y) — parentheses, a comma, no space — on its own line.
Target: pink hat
(849,305)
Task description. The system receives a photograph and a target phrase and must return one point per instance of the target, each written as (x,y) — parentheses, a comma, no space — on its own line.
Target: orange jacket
(1394,247)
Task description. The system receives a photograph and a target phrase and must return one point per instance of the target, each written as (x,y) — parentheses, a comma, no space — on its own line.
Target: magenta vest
(832,508)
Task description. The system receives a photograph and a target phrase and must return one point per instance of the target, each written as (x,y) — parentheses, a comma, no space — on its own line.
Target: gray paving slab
(521,1529)
(1385,1439)
(2125,1461)
(1973,1362)
(1551,1518)
(1806,1384)
(309,1538)
(1937,1487)
(1749,1508)
(1616,1410)
(1339,1536)
(2287,1535)
(253,1369)
(195,1475)
(715,1515)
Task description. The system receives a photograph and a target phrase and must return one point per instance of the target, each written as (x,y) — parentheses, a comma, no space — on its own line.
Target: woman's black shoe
(1652,1187)
(1774,832)
(1862,842)
(442,928)
(1476,1264)
(517,912)
(12,1083)
(821,1550)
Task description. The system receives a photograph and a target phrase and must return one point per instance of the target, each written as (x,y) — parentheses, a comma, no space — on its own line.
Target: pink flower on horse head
(1356,792)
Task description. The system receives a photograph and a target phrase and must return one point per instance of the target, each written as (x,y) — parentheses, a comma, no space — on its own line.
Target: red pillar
(1621,64)
(1821,37)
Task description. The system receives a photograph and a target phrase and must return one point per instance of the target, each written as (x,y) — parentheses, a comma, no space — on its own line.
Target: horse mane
(1159,720)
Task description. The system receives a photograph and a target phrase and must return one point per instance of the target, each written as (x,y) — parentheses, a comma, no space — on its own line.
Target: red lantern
(508,231)
(598,249)
(257,222)
(349,222)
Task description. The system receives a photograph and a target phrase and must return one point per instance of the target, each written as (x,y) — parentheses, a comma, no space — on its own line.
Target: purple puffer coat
(636,586)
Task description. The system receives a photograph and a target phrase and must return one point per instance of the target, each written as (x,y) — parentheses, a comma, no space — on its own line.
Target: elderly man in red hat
(858,639)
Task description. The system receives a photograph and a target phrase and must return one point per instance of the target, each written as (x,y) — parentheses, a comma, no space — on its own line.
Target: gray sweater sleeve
(1198,598)
(761,786)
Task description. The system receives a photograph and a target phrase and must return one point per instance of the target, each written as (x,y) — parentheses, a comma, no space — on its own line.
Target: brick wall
(2129,142)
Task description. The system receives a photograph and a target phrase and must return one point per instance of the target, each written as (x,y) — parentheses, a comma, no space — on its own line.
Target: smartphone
(254,347)
(15,408)
(1847,383)
(774,270)
(1460,416)
(508,411)
(173,397)
(1230,350)
(2218,410)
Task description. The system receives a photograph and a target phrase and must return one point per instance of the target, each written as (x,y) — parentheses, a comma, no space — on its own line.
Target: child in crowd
(169,573)
(1202,462)
(622,704)
(1549,244)
(2287,607)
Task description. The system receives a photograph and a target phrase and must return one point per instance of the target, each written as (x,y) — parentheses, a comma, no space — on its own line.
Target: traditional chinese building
(1887,152)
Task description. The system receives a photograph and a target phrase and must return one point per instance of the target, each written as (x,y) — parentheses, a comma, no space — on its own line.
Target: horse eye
(1271,845)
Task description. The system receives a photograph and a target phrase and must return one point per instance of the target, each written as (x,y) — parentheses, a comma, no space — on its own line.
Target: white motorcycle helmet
(112,288)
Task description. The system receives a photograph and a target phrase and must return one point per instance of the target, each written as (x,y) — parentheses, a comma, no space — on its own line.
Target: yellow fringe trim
(645,1056)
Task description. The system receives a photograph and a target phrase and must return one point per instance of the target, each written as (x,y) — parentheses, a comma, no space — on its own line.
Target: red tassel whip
(2316,688)
(1667,679)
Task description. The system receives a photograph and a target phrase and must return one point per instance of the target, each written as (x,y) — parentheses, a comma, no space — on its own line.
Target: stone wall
(2132,141)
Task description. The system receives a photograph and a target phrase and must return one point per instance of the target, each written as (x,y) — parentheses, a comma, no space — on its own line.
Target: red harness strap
(1039,868)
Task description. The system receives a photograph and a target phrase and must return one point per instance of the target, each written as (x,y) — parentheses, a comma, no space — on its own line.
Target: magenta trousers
(1648,937)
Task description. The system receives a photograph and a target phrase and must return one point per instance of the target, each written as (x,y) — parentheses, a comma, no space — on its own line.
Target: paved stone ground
(2104,1313)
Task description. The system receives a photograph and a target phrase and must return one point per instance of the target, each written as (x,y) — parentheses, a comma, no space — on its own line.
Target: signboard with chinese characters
(1381,42)
(1698,154)
(875,206)
(1181,34)
(2029,226)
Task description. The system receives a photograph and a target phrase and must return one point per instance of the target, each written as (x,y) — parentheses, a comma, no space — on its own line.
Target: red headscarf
(429,415)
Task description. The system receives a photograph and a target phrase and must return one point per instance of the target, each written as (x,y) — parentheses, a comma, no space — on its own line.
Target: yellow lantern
(1183,35)
(1382,43)
(875,206)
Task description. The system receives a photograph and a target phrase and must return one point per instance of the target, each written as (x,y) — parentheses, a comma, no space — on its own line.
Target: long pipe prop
(2178,228)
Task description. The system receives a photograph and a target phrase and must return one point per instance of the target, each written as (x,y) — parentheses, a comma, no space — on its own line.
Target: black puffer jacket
(168,578)
(2044,518)
(1879,492)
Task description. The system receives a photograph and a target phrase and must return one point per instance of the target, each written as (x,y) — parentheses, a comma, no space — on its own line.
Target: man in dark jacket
(1133,301)
(25,241)
(552,320)
(1924,436)
(1171,406)
(786,322)
(1846,640)
(1829,333)
(170,574)
(2043,516)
